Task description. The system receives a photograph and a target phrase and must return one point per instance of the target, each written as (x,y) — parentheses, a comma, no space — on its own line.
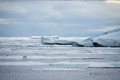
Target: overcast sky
(58,18)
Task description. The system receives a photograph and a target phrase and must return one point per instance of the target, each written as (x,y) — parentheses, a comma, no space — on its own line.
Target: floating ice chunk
(48,39)
(35,37)
(86,42)
(63,42)
(51,40)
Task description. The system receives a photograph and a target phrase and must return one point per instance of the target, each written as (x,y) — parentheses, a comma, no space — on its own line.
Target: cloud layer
(62,18)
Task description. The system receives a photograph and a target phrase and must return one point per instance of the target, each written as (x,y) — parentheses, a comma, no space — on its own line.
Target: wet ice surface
(28,59)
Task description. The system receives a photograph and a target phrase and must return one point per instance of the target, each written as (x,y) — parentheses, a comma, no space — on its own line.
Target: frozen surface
(55,40)
(111,39)
(107,39)
(27,59)
(86,43)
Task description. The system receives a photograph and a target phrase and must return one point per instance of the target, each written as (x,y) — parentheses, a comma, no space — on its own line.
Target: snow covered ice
(107,39)
(52,40)
(72,58)
(22,56)
(111,39)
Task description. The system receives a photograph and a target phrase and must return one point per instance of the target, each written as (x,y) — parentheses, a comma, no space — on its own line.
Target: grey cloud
(62,18)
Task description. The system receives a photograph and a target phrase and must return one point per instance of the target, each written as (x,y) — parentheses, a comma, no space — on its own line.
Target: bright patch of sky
(80,18)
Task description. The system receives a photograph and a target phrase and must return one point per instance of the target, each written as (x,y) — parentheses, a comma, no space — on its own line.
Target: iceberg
(107,39)
(35,37)
(48,40)
(63,42)
(54,40)
(86,43)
